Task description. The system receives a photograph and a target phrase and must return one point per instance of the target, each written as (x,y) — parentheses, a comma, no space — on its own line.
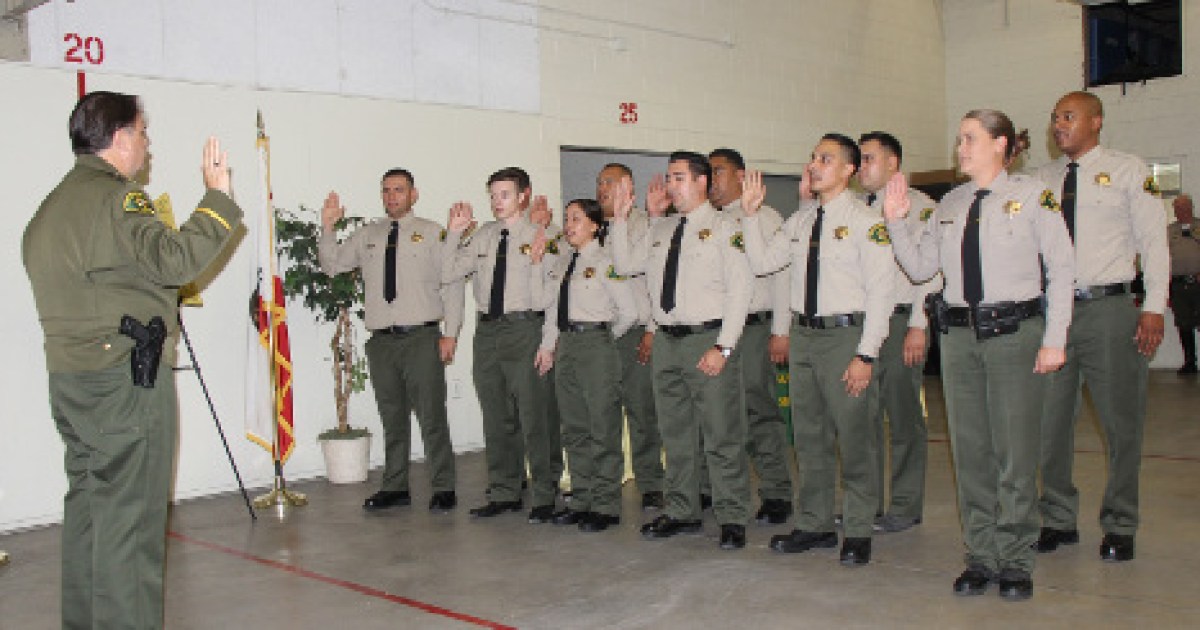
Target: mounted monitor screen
(1131,42)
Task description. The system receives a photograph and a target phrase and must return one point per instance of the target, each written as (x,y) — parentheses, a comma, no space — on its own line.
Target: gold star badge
(417,238)
(1012,207)
(841,232)
(705,234)
(525,249)
(1103,179)
(590,272)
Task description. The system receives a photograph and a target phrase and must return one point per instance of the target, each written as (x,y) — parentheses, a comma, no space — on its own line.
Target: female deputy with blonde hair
(1001,335)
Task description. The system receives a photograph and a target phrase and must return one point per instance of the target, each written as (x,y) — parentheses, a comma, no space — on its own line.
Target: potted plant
(331,299)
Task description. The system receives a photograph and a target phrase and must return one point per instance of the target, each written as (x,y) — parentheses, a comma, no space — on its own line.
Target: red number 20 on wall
(84,49)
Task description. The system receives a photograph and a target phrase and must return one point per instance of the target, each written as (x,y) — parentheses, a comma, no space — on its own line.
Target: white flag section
(260,395)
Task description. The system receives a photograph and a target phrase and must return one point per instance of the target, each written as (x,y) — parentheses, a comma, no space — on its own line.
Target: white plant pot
(347,461)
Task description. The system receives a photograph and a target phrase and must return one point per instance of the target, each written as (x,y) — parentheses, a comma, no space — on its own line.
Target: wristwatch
(725,352)
(865,359)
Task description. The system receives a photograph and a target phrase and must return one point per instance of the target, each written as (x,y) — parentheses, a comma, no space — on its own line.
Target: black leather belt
(404,330)
(1184,279)
(761,317)
(820,322)
(1082,294)
(902,309)
(582,326)
(683,330)
(513,316)
(993,320)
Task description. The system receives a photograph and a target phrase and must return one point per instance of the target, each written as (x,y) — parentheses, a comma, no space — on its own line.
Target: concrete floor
(332,565)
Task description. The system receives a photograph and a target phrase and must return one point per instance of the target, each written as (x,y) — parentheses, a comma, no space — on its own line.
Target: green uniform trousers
(554,445)
(907,448)
(408,376)
(690,404)
(512,399)
(994,404)
(637,396)
(120,449)
(827,421)
(1101,351)
(766,431)
(588,389)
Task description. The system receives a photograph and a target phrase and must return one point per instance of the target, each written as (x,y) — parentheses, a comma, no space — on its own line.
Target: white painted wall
(1022,65)
(797,69)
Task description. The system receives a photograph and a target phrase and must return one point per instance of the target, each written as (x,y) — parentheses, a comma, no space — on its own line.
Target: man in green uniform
(1183,240)
(402,255)
(637,385)
(700,289)
(1113,218)
(105,270)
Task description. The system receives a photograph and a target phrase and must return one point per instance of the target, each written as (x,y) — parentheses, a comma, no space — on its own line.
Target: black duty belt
(514,316)
(683,330)
(902,309)
(820,322)
(761,317)
(404,330)
(1184,279)
(993,320)
(576,327)
(1083,294)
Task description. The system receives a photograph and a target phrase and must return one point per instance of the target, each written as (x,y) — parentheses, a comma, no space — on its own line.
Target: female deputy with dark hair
(988,237)
(591,307)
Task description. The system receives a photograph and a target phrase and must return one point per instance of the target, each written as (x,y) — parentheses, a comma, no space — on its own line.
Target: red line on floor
(1166,458)
(351,586)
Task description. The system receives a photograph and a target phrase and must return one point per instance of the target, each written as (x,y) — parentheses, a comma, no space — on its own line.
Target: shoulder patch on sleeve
(137,201)
(879,234)
(442,236)
(613,275)
(1151,186)
(1048,202)
(926,213)
(738,242)
(552,245)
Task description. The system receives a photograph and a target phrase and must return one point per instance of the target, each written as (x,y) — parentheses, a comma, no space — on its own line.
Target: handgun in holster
(938,312)
(147,349)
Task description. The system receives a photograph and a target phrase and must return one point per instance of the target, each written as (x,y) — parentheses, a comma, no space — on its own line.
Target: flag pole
(279,497)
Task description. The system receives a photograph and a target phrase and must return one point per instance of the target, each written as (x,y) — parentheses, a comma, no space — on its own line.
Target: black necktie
(564,293)
(813,268)
(1068,199)
(870,199)
(671,271)
(972,269)
(496,299)
(389,264)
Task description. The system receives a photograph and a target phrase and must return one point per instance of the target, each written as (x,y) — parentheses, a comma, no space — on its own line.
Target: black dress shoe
(1188,368)
(855,552)
(1015,584)
(773,512)
(385,499)
(665,527)
(1116,548)
(567,516)
(705,501)
(442,501)
(541,514)
(653,500)
(1051,538)
(973,581)
(496,508)
(800,540)
(733,536)
(598,522)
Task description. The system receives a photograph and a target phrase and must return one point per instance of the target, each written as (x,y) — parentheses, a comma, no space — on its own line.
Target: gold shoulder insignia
(1047,201)
(137,201)
(552,246)
(1151,186)
(613,275)
(879,234)
(737,241)
(926,213)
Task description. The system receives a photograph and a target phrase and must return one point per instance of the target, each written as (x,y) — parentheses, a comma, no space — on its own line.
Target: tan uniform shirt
(1016,225)
(474,256)
(597,292)
(856,274)
(714,276)
(1185,250)
(772,291)
(421,295)
(1116,220)
(96,250)
(908,292)
(638,224)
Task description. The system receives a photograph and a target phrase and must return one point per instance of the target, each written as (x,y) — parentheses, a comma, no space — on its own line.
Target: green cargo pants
(588,392)
(906,438)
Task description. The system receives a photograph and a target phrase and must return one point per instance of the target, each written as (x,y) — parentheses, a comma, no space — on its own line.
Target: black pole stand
(195,367)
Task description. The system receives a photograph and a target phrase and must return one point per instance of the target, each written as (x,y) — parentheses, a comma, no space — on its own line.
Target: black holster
(147,349)
(937,310)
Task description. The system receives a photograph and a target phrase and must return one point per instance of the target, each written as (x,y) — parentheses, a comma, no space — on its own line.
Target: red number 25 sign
(83,49)
(629,114)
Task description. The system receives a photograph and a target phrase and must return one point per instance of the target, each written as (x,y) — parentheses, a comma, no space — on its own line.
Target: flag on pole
(268,353)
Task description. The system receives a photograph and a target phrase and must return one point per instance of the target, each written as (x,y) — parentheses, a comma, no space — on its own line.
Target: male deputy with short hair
(106,274)
(700,289)
(402,255)
(1113,217)
(764,343)
(1183,240)
(901,366)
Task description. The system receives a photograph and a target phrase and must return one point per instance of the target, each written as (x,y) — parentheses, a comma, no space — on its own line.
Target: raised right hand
(895,200)
(623,199)
(657,201)
(753,192)
(332,211)
(461,216)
